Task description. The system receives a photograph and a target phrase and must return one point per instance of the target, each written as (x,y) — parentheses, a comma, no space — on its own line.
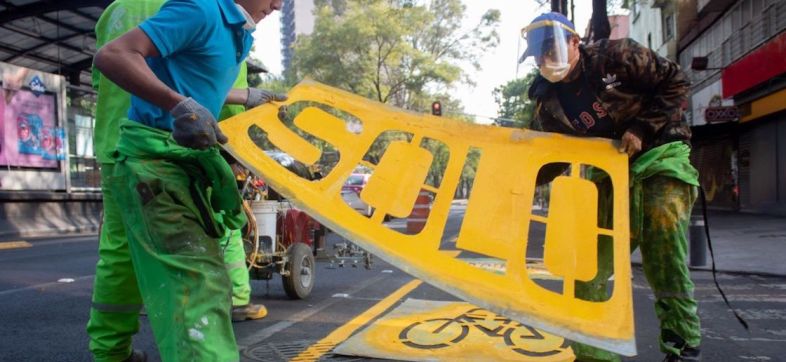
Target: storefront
(33,147)
(757,82)
(714,123)
(48,174)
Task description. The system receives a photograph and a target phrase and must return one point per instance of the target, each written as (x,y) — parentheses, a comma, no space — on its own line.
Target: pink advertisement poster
(28,133)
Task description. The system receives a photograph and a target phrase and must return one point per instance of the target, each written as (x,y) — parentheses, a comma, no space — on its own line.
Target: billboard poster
(30,136)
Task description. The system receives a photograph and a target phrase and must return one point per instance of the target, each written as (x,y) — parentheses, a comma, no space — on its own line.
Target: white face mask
(250,24)
(554,72)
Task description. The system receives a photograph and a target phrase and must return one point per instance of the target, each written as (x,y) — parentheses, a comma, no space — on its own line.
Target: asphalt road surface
(45,291)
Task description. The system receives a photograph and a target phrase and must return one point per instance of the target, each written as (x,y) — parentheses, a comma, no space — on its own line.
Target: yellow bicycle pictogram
(419,330)
(445,332)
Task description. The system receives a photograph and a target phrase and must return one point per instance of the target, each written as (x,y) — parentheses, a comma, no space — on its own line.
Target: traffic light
(436,108)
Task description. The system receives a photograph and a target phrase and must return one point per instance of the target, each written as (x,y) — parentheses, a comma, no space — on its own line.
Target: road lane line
(14,245)
(315,351)
(42,286)
(264,334)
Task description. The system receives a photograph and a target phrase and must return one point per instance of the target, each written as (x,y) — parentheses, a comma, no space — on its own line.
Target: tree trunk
(560,6)
(599,24)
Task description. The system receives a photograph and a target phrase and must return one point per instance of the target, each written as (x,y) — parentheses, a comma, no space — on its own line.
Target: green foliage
(271,83)
(85,103)
(392,51)
(399,52)
(513,102)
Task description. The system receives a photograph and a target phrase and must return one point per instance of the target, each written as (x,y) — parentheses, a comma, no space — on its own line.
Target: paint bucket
(265,213)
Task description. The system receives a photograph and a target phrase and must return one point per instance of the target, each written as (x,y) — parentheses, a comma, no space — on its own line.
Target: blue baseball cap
(541,30)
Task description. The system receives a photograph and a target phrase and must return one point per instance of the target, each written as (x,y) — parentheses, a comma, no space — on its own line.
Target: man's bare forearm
(127,68)
(237,96)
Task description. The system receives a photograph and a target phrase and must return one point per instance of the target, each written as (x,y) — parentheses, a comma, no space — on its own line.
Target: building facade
(733,51)
(738,104)
(659,24)
(297,17)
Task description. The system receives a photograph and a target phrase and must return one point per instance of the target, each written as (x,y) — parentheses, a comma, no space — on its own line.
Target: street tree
(393,51)
(400,52)
(513,102)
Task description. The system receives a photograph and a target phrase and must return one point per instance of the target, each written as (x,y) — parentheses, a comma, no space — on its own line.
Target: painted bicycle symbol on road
(445,332)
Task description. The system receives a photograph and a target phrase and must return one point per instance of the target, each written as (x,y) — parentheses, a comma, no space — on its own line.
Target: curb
(49,233)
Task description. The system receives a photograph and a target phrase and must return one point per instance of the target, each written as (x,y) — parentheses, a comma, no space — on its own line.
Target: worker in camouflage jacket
(620,90)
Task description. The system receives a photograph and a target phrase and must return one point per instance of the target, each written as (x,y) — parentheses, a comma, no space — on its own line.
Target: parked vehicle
(350,192)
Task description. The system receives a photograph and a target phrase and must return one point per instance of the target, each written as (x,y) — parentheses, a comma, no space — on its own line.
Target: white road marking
(774,286)
(763,314)
(265,333)
(42,286)
(759,298)
(780,333)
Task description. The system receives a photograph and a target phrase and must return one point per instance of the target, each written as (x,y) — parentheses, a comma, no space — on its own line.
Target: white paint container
(265,214)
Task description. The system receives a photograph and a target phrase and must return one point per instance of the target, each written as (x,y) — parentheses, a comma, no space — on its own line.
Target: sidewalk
(744,243)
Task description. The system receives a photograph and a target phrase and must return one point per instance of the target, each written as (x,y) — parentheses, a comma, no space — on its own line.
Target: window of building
(736,18)
(715,35)
(83,166)
(746,12)
(758,6)
(668,27)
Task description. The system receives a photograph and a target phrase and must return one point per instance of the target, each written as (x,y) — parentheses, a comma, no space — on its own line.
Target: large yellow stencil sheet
(498,213)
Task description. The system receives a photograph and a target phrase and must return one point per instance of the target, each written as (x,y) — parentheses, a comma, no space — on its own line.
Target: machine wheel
(301,267)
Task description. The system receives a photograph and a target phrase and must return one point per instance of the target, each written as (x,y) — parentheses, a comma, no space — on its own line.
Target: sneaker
(136,356)
(688,354)
(248,312)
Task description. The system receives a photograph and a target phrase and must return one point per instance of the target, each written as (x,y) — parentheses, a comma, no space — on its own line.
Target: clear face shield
(547,43)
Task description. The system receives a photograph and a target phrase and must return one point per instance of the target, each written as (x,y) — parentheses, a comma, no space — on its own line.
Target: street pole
(698,242)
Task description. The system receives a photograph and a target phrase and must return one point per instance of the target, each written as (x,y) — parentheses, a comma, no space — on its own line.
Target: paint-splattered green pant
(235,262)
(176,258)
(666,204)
(114,316)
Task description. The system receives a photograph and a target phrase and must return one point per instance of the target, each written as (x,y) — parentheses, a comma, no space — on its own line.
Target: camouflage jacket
(641,91)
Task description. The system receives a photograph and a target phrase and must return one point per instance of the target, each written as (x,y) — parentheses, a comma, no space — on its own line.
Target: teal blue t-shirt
(201,45)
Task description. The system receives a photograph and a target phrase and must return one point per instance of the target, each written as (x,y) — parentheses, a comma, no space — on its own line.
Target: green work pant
(114,316)
(176,258)
(667,204)
(235,263)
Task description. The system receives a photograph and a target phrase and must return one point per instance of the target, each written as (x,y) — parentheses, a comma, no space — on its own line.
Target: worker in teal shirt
(179,66)
(116,301)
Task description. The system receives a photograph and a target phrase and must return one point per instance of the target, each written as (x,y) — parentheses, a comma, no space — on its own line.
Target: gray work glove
(194,126)
(258,97)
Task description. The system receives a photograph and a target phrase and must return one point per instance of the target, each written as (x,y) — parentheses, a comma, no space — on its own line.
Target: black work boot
(136,356)
(688,354)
